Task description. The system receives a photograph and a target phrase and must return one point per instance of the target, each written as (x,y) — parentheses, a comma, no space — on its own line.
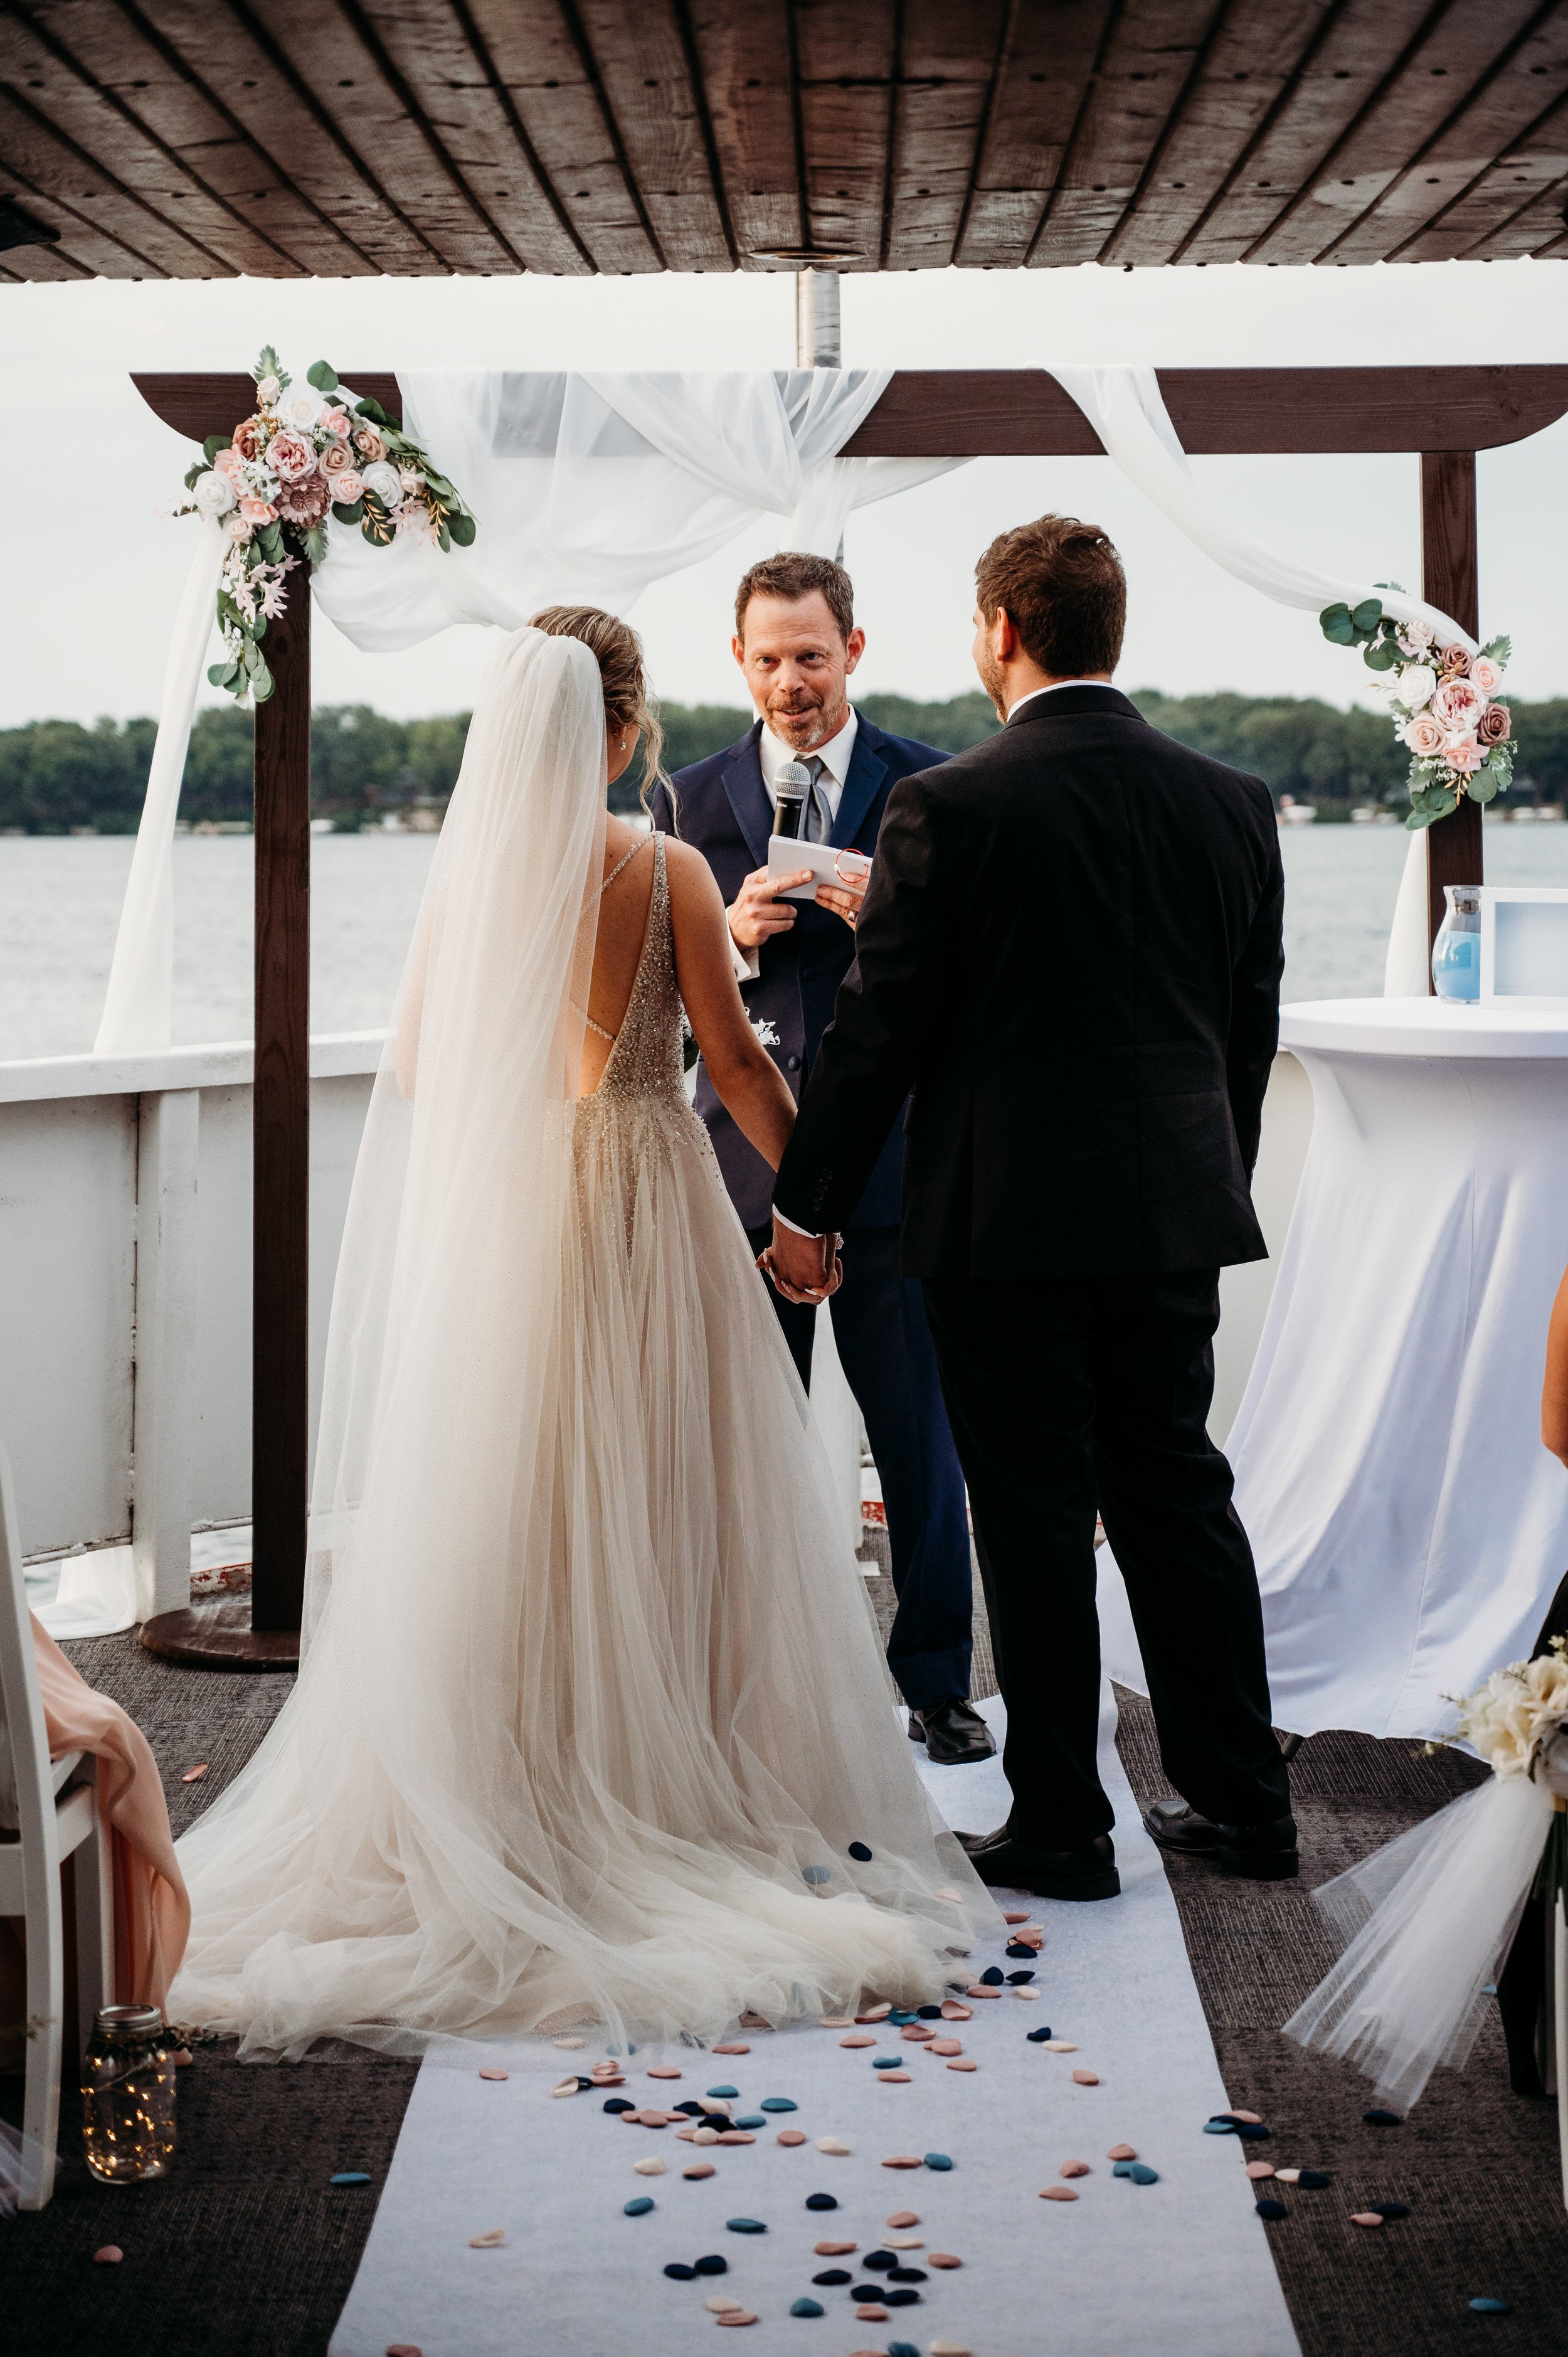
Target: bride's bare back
(749,1082)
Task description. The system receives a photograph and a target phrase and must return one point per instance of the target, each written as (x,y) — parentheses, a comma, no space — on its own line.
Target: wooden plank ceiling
(345,138)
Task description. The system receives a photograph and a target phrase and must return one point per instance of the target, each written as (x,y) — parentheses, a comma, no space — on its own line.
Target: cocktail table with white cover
(1410,1529)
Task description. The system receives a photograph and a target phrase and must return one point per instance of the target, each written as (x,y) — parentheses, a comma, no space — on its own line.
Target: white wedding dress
(591,1724)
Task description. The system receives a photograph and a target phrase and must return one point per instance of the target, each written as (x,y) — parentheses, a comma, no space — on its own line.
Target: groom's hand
(803,1268)
(756,914)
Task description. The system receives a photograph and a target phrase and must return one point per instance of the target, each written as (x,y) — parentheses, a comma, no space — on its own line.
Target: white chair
(48,1812)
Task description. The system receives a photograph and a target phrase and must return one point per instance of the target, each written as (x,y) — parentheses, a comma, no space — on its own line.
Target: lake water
(59,902)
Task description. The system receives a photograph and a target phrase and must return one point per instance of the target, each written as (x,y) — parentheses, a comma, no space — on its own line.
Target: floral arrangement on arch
(1443,701)
(303,456)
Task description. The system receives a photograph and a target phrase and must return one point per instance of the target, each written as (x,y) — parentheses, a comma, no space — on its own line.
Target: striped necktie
(819,818)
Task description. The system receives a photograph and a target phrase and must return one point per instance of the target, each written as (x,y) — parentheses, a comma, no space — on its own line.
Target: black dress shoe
(1264,1852)
(954,1734)
(1005,1863)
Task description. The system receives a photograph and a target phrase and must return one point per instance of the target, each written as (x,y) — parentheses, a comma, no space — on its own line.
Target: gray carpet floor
(245,2251)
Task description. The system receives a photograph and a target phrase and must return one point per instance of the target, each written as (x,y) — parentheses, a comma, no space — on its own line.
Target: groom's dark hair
(793,575)
(1064,592)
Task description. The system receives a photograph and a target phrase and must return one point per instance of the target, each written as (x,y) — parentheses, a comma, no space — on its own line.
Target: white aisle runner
(1181,2267)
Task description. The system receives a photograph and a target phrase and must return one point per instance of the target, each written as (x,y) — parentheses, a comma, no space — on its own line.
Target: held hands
(804,1269)
(844,900)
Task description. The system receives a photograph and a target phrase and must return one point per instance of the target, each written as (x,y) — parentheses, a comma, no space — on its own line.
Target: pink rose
(347,488)
(335,459)
(256,510)
(334,420)
(369,445)
(1455,662)
(1495,725)
(1463,754)
(247,438)
(291,457)
(1485,675)
(227,462)
(1457,703)
(1423,736)
(267,391)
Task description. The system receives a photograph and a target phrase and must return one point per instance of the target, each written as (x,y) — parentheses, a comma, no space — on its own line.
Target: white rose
(301,409)
(1416,685)
(212,493)
(383,482)
(411,479)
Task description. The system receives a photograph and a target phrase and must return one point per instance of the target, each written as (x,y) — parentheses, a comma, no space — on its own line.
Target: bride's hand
(804,1269)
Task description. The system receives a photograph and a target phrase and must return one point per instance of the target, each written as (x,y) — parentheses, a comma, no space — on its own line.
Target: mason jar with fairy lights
(127,2096)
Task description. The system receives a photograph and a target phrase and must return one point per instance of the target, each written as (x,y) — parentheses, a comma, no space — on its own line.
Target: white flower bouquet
(1443,701)
(301,457)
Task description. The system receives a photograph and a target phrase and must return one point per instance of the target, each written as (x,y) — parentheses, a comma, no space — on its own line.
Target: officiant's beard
(803,721)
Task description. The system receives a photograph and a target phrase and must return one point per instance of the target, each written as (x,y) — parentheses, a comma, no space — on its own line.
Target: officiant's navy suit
(720,807)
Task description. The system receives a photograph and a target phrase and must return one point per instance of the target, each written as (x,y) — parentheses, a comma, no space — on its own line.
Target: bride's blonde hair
(617,649)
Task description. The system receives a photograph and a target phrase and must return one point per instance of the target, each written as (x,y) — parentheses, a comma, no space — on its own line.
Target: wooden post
(280,1434)
(226,1633)
(1450,578)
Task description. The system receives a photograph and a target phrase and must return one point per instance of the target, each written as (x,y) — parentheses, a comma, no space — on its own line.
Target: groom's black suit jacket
(1070,951)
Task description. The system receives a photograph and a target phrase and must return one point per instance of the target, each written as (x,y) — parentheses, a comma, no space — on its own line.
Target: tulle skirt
(592,1725)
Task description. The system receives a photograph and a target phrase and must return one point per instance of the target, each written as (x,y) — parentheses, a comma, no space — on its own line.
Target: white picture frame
(1524,944)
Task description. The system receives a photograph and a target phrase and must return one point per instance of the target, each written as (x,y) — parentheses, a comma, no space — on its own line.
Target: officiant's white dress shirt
(773,753)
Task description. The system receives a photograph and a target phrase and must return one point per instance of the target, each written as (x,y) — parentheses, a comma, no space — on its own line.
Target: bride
(591,1724)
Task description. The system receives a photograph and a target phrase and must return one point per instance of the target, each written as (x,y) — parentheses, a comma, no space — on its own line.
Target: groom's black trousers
(1066,1394)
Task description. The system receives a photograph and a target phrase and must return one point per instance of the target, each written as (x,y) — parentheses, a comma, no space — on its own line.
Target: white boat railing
(125,1288)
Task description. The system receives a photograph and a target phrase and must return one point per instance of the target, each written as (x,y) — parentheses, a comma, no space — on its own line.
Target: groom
(1070,947)
(797,643)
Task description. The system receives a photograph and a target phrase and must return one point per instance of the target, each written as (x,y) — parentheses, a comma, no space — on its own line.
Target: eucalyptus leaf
(372,410)
(1483,787)
(219,674)
(346,514)
(1367,614)
(1418,818)
(1335,623)
(322,375)
(261,682)
(316,544)
(1382,655)
(463,529)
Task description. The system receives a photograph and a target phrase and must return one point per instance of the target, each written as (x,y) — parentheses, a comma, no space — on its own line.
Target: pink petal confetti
(490,2242)
(858,2038)
(1073,2169)
(871,2316)
(965,2065)
(1057,2193)
(1259,2169)
(901,2217)
(1084,2078)
(1365,2218)
(699,2169)
(110,2256)
(790,2135)
(723,2050)
(894,2078)
(193,1775)
(491,2073)
(1253,2119)
(875,2013)
(1123,2152)
(1015,1915)
(404,2349)
(663,2071)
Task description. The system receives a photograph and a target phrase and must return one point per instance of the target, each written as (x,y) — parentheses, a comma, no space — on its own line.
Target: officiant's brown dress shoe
(954,1734)
(1005,1863)
(1265,1853)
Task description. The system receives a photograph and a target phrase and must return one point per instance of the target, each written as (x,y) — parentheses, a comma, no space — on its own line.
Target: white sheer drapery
(141,978)
(586,487)
(1125,407)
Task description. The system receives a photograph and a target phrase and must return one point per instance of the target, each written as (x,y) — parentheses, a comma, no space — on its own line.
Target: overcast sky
(92,567)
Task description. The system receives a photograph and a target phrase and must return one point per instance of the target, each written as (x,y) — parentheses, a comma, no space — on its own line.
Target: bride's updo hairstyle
(617,649)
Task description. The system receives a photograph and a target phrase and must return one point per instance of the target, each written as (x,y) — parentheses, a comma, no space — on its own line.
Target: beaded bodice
(646,1057)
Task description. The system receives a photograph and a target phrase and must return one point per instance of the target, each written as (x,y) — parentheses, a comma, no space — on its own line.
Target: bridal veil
(591,1714)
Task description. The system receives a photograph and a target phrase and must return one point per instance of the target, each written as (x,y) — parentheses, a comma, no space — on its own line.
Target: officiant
(796,641)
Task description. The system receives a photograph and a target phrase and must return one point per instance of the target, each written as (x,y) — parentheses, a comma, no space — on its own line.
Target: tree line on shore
(58,775)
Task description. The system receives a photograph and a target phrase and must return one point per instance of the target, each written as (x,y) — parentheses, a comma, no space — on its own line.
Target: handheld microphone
(791,788)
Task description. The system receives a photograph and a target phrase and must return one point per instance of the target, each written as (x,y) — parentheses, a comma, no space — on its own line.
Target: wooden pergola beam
(1443,414)
(1025,414)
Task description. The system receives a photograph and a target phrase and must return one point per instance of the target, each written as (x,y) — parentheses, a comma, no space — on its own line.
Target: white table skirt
(1410,1529)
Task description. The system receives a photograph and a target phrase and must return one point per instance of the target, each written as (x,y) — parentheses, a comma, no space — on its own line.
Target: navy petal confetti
(859,1852)
(1270,2210)
(641,2207)
(821,2201)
